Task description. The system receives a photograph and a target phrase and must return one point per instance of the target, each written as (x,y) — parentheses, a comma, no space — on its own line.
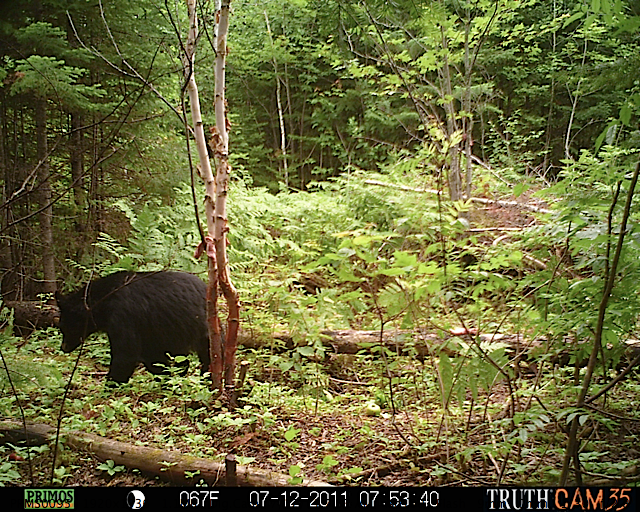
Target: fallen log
(30,315)
(168,466)
(419,342)
(346,341)
(422,344)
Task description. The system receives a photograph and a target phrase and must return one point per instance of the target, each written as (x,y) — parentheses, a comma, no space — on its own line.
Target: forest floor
(326,432)
(386,449)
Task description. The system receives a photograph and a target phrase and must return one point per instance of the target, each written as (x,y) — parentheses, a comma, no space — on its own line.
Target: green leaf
(362,240)
(446,375)
(306,351)
(404,259)
(589,21)
(294,470)
(519,189)
(393,272)
(346,275)
(625,114)
(291,434)
(572,18)
(523,434)
(329,460)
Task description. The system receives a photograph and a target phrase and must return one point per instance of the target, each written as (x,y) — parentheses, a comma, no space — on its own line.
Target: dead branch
(481,200)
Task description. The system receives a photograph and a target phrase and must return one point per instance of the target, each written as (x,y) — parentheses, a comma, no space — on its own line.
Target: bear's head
(74,321)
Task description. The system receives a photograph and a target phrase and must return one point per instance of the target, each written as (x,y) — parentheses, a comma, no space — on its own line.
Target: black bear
(145,314)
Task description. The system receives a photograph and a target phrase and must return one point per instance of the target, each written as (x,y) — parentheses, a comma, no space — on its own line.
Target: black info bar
(610,499)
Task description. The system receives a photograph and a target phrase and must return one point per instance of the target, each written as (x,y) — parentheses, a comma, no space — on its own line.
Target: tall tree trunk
(6,260)
(76,160)
(223,170)
(76,141)
(46,216)
(94,203)
(547,161)
(467,120)
(216,190)
(454,177)
(574,104)
(283,138)
(215,335)
(15,203)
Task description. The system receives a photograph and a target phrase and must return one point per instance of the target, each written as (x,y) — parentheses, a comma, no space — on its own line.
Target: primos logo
(49,498)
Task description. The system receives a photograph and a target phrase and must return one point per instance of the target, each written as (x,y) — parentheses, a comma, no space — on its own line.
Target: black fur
(145,314)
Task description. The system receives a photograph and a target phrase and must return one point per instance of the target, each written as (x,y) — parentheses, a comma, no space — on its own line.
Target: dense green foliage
(347,119)
(329,87)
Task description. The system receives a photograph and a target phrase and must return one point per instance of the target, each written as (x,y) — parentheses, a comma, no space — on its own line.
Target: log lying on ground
(345,341)
(420,342)
(168,466)
(423,344)
(31,315)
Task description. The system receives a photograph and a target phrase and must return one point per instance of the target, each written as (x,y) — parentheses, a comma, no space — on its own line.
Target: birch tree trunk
(215,339)
(223,170)
(216,190)
(575,97)
(283,138)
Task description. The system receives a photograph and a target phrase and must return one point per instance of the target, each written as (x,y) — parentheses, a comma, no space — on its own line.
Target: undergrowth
(474,386)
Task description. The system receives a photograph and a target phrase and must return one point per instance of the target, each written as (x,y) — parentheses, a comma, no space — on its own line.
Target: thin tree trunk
(466,107)
(76,161)
(94,213)
(283,138)
(454,178)
(546,162)
(6,259)
(216,190)
(223,170)
(11,244)
(46,226)
(574,106)
(215,336)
